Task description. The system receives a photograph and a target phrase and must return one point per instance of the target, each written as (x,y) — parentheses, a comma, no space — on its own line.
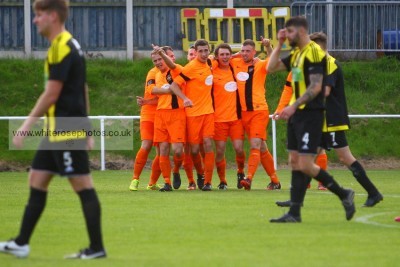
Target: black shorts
(63,162)
(304,131)
(334,140)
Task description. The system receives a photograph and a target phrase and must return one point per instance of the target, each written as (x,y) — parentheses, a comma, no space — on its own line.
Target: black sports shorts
(63,162)
(334,140)
(304,131)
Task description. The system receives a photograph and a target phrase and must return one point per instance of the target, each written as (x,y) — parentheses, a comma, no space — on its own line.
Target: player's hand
(157,49)
(90,143)
(255,60)
(140,100)
(282,36)
(187,103)
(265,41)
(18,139)
(276,115)
(287,112)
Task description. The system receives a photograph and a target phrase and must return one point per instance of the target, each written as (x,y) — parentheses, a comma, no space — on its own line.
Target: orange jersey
(286,93)
(198,78)
(168,101)
(226,106)
(251,84)
(147,112)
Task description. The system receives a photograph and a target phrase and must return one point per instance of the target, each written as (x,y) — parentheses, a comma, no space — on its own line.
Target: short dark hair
(191,47)
(59,6)
(249,42)
(320,38)
(224,46)
(298,21)
(201,42)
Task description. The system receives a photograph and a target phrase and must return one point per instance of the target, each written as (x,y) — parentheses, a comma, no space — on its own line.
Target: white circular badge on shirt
(209,80)
(230,87)
(242,76)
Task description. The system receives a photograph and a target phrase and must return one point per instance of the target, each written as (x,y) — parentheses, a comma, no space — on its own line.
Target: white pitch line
(366,219)
(357,194)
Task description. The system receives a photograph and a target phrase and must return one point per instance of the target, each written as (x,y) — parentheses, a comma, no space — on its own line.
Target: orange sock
(209,160)
(221,167)
(155,170)
(254,160)
(240,163)
(165,166)
(140,162)
(188,166)
(198,163)
(322,161)
(177,163)
(267,162)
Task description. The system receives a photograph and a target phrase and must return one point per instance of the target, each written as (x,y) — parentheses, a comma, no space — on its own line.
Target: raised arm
(171,65)
(275,64)
(268,48)
(267,44)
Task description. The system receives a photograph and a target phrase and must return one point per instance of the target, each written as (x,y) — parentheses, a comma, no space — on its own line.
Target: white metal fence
(368,26)
(102,120)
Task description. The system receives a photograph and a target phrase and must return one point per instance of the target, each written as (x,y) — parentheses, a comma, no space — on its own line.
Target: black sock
(308,180)
(33,210)
(297,192)
(330,183)
(92,212)
(361,176)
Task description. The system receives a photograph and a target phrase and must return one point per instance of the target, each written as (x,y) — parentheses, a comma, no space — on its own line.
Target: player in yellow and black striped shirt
(65,104)
(305,114)
(337,123)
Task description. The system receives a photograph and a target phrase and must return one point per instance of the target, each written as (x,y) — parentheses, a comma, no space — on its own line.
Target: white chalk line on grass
(357,194)
(366,219)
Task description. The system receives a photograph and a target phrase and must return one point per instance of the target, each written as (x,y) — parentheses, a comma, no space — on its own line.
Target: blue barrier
(391,39)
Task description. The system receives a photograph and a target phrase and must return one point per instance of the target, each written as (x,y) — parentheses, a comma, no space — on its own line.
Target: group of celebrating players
(188,108)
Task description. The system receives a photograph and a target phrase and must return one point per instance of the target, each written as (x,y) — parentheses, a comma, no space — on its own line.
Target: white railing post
(329,24)
(129,30)
(102,145)
(27,28)
(274,153)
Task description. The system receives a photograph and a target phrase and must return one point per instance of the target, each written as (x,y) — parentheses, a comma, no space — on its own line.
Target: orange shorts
(146,130)
(170,126)
(200,127)
(255,123)
(233,129)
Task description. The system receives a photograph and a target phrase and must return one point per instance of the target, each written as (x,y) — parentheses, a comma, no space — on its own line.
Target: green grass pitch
(217,228)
